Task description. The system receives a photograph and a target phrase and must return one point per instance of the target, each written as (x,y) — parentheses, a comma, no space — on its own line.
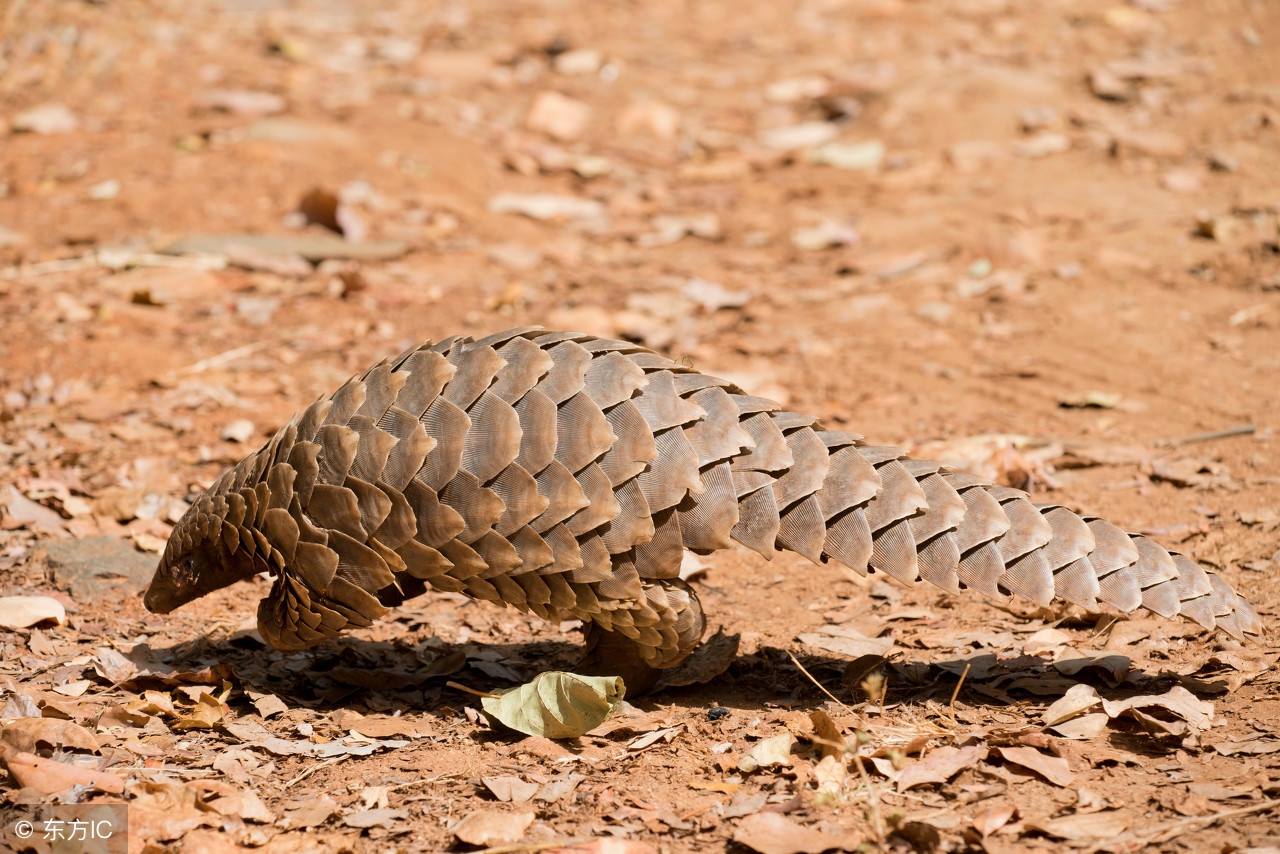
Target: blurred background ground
(1037,239)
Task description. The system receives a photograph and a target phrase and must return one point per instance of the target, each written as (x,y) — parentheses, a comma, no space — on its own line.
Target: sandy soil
(1052,226)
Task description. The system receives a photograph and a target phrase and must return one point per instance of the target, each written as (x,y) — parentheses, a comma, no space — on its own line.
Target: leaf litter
(223,744)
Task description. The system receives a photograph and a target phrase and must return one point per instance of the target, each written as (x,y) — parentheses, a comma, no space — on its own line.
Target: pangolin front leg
(562,473)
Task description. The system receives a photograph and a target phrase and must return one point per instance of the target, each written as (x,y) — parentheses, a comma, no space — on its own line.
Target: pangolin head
(196,560)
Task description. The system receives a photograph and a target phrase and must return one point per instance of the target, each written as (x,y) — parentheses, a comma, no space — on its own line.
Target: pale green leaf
(557,704)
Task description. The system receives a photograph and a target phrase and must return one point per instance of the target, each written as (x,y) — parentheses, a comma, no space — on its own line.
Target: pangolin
(562,473)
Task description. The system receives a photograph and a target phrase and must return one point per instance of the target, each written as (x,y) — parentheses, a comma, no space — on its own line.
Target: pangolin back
(560,472)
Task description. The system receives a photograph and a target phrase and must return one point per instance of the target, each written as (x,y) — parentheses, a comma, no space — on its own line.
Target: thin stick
(873,803)
(797,663)
(1172,829)
(425,781)
(691,813)
(313,769)
(485,694)
(956,692)
(226,357)
(1211,435)
(532,846)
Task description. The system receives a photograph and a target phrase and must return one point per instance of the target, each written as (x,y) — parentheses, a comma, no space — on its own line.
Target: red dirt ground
(1076,199)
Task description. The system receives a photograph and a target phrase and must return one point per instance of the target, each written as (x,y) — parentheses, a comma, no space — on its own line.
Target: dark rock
(98,569)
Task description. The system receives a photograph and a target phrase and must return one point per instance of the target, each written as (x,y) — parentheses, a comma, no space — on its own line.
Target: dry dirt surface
(1034,239)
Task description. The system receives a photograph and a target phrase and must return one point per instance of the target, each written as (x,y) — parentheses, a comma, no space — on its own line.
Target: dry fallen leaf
(940,766)
(994,817)
(375,818)
(830,775)
(27,734)
(1052,768)
(20,612)
(112,666)
(490,827)
(1197,714)
(707,662)
(767,753)
(1080,826)
(847,641)
(206,714)
(715,786)
(510,789)
(49,776)
(1077,699)
(1083,727)
(827,734)
(771,833)
(607,845)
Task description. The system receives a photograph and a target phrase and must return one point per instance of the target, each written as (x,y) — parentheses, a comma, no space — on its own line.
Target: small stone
(720,169)
(10,239)
(1034,119)
(558,116)
(241,102)
(797,89)
(670,228)
(1223,228)
(105,191)
(1221,162)
(934,312)
(1042,145)
(584,60)
(979,269)
(45,119)
(590,166)
(649,118)
(1182,181)
(98,569)
(546,206)
(804,135)
(515,256)
(1068,271)
(240,430)
(825,235)
(257,311)
(461,65)
(397,51)
(862,156)
(713,296)
(1109,86)
(293,132)
(1112,258)
(975,154)
(1151,143)
(286,264)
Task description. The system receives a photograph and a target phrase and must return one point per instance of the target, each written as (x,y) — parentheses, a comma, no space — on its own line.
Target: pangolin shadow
(381,676)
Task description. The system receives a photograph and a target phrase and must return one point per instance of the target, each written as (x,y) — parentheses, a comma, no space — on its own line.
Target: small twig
(226,357)
(1172,829)
(532,846)
(485,694)
(313,769)
(873,800)
(797,663)
(424,781)
(691,813)
(956,693)
(1211,435)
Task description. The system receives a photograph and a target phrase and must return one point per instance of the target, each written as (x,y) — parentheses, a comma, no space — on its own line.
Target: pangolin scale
(563,473)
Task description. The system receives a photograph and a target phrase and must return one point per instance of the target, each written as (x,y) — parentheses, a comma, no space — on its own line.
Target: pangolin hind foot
(562,473)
